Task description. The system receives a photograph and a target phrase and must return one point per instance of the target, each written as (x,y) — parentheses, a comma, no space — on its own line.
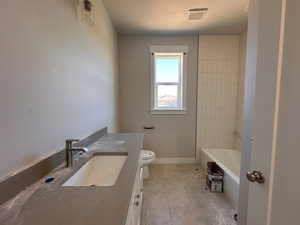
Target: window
(168,81)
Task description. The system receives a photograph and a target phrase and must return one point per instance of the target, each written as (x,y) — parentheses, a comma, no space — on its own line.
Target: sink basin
(100,170)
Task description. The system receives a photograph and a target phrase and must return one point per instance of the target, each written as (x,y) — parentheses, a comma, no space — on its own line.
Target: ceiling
(171,16)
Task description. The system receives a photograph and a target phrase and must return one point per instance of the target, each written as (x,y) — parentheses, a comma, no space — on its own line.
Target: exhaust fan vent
(197,13)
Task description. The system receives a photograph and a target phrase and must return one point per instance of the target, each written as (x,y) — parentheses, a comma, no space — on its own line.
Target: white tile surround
(218,81)
(241,90)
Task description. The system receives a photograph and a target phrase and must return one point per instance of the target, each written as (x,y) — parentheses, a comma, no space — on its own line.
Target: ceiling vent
(197,13)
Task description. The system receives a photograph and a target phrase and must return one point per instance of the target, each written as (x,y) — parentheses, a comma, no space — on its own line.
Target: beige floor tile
(176,195)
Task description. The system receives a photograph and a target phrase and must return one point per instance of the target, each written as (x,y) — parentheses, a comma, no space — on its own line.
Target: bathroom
(117,112)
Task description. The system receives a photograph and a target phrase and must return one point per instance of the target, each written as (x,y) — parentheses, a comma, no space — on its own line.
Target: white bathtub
(230,161)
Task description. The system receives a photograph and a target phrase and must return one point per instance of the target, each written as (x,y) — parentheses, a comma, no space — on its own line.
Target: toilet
(147,157)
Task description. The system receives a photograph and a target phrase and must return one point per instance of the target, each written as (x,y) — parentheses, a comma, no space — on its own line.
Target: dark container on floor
(214,177)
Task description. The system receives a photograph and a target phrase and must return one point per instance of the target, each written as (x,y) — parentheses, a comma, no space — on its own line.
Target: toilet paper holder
(149,127)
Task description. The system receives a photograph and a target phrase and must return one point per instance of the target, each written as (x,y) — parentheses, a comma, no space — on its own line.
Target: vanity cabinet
(136,202)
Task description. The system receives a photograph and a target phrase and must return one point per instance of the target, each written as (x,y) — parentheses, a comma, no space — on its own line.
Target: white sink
(101,170)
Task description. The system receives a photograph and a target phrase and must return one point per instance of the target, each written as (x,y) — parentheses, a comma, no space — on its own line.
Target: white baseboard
(175,160)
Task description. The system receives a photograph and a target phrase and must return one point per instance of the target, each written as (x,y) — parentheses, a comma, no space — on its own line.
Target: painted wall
(174,135)
(218,79)
(58,79)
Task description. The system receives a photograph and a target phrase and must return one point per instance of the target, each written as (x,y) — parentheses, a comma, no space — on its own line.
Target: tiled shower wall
(241,89)
(218,88)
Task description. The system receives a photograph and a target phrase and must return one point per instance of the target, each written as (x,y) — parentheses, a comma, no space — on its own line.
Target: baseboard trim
(175,160)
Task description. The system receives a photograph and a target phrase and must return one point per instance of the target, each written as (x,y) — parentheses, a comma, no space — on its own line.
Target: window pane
(167,96)
(167,69)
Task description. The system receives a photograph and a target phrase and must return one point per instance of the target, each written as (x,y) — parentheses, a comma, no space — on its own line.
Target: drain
(49,180)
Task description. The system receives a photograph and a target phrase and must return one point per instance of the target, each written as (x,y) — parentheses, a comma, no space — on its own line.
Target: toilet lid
(147,154)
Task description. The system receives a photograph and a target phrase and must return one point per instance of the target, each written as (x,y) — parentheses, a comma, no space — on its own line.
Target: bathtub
(230,161)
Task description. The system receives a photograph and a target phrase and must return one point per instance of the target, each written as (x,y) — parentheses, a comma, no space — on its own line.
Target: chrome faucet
(70,149)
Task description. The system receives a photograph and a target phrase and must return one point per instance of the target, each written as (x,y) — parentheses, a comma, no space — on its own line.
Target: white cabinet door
(137,199)
(139,209)
(134,212)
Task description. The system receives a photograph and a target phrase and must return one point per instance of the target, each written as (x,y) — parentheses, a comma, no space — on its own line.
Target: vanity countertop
(53,203)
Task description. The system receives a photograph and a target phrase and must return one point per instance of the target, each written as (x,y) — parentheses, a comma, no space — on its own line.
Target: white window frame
(181,51)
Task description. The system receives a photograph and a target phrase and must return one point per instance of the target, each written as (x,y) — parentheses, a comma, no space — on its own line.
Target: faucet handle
(73,140)
(69,142)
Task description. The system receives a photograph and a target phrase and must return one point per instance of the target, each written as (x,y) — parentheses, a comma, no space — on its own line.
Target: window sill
(168,112)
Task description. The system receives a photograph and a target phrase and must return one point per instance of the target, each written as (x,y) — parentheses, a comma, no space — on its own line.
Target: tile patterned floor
(176,195)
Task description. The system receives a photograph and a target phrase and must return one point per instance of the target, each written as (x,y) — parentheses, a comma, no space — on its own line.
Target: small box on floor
(214,177)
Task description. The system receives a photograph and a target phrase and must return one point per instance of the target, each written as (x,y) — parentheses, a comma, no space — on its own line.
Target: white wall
(218,79)
(57,79)
(174,135)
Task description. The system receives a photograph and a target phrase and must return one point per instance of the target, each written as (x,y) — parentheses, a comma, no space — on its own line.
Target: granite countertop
(52,203)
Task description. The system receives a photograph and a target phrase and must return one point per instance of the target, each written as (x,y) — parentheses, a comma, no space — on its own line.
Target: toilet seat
(147,157)
(146,154)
